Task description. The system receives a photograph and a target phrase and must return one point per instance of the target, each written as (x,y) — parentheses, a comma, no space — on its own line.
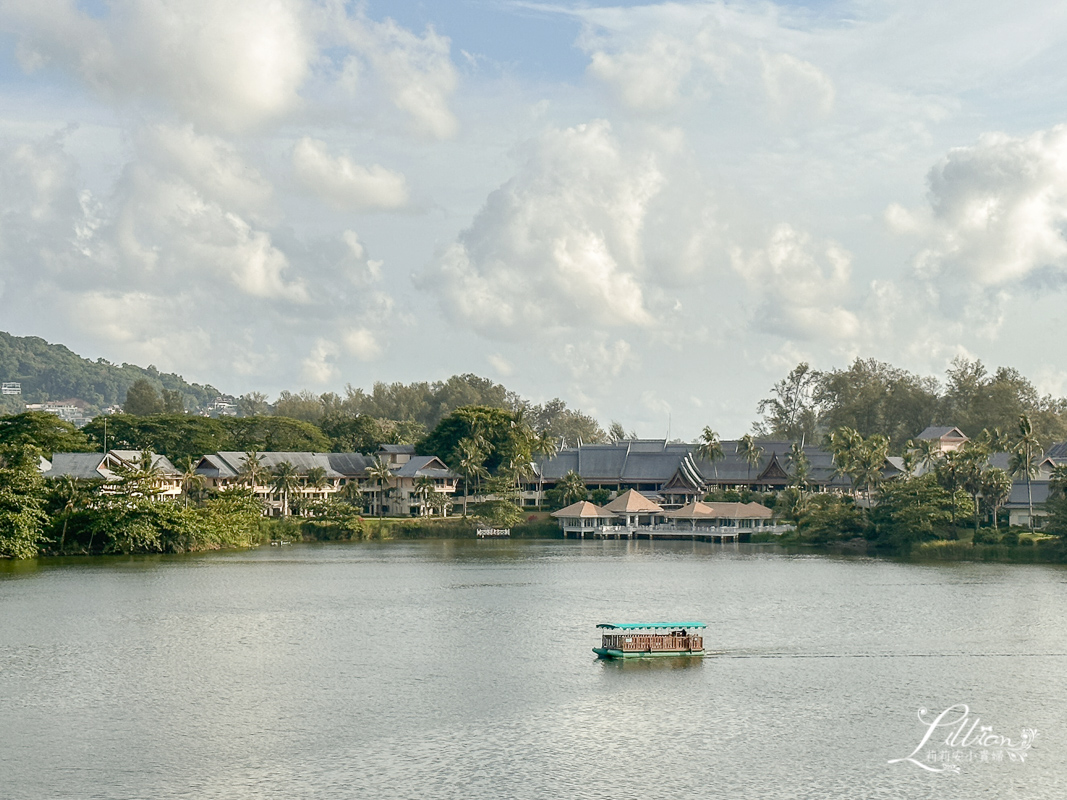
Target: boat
(650,639)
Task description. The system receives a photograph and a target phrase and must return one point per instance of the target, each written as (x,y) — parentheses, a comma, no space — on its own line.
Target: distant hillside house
(673,476)
(402,496)
(948,439)
(72,411)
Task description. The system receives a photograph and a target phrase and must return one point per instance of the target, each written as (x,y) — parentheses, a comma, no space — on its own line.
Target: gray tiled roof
(654,461)
(1058,452)
(161,463)
(302,461)
(350,464)
(424,466)
(83,466)
(1018,498)
(399,449)
(937,431)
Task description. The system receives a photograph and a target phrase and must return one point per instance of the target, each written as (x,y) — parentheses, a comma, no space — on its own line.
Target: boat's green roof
(630,626)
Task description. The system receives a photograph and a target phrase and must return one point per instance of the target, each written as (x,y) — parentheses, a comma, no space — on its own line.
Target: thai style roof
(942,432)
(632,502)
(633,626)
(676,465)
(583,509)
(699,510)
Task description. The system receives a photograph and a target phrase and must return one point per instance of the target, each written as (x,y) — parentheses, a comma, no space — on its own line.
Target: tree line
(873,397)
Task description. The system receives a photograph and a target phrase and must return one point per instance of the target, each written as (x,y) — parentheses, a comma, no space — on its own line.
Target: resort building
(418,485)
(113,467)
(948,439)
(632,515)
(672,475)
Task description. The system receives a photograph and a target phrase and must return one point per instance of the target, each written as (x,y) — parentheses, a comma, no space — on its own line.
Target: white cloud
(557,245)
(803,285)
(363,344)
(595,358)
(647,78)
(319,367)
(416,71)
(344,183)
(997,212)
(500,364)
(231,64)
(795,86)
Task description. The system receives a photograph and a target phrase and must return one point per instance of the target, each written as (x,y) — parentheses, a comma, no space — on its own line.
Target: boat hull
(607,652)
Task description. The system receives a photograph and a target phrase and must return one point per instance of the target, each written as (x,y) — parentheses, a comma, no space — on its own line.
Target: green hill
(52,372)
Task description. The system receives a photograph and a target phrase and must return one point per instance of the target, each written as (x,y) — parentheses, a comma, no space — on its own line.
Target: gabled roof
(82,466)
(583,509)
(1019,499)
(1057,452)
(424,467)
(302,461)
(942,432)
(699,510)
(133,458)
(632,502)
(398,449)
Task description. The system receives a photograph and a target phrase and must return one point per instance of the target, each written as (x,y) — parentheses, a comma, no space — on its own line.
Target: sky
(651,210)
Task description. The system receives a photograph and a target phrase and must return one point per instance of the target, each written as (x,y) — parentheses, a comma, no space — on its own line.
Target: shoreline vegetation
(897,493)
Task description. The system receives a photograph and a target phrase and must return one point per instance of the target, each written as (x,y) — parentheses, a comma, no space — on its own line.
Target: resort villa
(113,467)
(416,486)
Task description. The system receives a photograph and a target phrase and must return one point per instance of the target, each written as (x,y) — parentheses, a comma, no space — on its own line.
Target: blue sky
(648,209)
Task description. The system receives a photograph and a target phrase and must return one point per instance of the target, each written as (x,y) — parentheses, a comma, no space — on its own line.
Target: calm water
(464,670)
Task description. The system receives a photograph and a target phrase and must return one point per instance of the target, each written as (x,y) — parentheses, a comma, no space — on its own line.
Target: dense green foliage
(181,436)
(52,372)
(46,432)
(872,397)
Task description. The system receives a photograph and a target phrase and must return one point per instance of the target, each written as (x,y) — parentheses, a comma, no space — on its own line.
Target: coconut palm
(285,480)
(353,495)
(192,481)
(316,478)
(750,451)
(252,469)
(1027,446)
(571,488)
(929,453)
(996,489)
(71,493)
(379,471)
(544,445)
(710,448)
(471,459)
(424,488)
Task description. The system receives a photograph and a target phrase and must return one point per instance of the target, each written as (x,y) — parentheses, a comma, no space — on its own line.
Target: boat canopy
(632,626)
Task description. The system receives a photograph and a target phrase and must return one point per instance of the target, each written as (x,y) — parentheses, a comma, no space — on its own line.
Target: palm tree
(929,452)
(471,462)
(1026,447)
(975,455)
(191,479)
(750,451)
(571,488)
(316,478)
(252,469)
(950,474)
(286,479)
(798,459)
(544,445)
(379,471)
(70,492)
(996,489)
(353,495)
(424,487)
(710,448)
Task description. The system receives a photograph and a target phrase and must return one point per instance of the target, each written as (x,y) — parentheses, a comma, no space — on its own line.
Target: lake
(463,669)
